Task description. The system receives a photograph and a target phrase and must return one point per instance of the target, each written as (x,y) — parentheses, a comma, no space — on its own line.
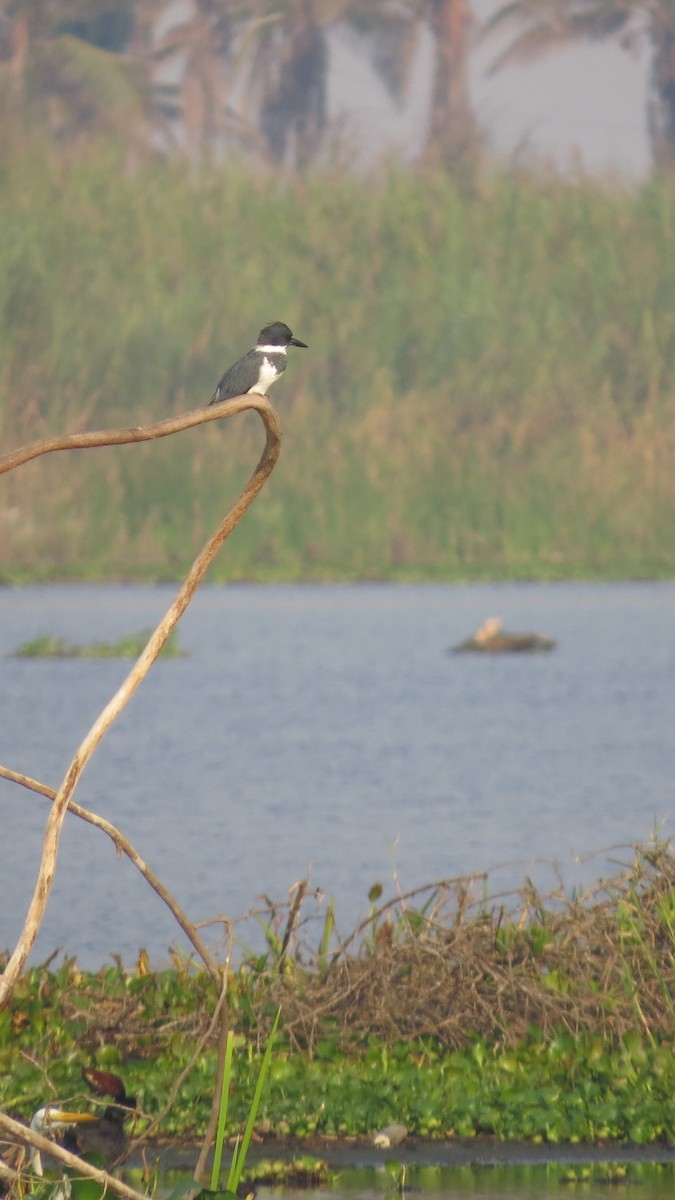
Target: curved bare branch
(124,846)
(157,639)
(143,433)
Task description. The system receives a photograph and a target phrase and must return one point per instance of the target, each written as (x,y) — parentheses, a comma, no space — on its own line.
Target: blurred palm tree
(193,63)
(293,110)
(545,25)
(213,72)
(279,53)
(249,73)
(453,131)
(61,66)
(283,61)
(453,136)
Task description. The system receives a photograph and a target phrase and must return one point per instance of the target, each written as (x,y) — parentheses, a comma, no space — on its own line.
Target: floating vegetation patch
(130,645)
(604,1172)
(305,1171)
(446,1012)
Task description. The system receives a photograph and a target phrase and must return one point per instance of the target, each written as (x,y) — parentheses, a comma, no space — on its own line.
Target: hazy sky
(584,105)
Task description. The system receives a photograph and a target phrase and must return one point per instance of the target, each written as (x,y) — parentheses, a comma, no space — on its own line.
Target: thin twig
(373,917)
(123,845)
(219,1010)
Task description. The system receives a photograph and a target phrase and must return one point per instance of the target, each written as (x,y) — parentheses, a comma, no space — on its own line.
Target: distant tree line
(209,75)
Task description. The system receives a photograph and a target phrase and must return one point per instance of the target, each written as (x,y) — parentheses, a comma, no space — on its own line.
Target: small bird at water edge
(261,367)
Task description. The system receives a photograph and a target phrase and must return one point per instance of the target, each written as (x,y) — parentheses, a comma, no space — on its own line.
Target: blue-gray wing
(237,380)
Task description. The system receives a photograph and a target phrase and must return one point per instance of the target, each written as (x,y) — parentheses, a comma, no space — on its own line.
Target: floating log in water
(492,639)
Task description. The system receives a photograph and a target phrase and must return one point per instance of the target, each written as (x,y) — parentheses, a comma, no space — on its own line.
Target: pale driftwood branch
(136,433)
(8,1175)
(219,1014)
(158,638)
(26,1137)
(124,846)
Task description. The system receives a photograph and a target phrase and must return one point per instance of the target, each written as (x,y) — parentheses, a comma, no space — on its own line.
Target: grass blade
(222,1112)
(239,1158)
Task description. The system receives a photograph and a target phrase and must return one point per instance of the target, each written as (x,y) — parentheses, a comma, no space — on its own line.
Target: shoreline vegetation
(547,1019)
(488,392)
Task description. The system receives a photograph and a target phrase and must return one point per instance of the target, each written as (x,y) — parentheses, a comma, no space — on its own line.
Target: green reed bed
(454,1013)
(488,390)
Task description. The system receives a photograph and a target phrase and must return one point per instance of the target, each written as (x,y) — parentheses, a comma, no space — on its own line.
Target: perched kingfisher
(261,367)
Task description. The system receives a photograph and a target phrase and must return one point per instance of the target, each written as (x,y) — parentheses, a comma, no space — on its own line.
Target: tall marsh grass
(488,391)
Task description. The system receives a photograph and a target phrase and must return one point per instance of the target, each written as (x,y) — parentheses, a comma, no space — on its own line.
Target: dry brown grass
(602,963)
(441,963)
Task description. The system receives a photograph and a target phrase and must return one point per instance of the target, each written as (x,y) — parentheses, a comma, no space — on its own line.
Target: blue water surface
(325,729)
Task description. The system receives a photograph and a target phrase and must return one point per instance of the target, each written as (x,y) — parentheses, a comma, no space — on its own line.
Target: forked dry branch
(124,846)
(116,437)
(62,799)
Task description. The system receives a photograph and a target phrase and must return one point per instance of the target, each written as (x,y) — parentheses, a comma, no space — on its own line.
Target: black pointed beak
(297,342)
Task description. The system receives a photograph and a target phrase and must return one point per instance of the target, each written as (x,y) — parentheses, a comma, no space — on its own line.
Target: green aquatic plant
(238,1162)
(304,1171)
(129,645)
(532,1033)
(603,1172)
(645,924)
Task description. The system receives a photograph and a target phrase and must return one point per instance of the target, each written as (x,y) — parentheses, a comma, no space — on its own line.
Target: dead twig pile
(445,966)
(440,962)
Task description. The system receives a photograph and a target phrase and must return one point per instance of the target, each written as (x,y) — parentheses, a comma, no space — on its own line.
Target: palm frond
(552,24)
(392,50)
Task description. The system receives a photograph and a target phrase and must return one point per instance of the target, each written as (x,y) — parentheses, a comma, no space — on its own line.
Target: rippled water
(327,726)
(483,1181)
(480,1183)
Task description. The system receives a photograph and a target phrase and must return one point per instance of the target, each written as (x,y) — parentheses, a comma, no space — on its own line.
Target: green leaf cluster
(598,1064)
(565,1088)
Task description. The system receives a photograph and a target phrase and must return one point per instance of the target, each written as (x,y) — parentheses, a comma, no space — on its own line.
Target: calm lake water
(488,1181)
(326,728)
